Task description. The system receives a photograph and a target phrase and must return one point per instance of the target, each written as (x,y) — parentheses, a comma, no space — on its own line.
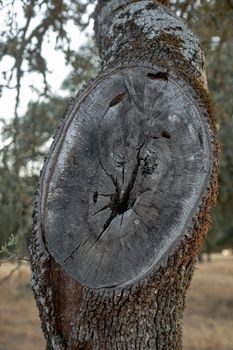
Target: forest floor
(208,321)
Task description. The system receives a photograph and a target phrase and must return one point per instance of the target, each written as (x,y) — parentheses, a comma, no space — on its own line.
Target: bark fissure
(121,200)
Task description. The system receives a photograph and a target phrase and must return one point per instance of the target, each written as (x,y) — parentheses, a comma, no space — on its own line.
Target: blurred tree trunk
(123,205)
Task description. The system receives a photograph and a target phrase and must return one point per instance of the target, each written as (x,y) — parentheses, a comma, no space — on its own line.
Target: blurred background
(47,53)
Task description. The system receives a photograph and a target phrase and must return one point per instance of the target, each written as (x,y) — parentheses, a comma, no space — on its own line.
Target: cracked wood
(127,177)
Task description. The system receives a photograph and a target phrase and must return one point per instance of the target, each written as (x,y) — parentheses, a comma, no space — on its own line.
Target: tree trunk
(124,198)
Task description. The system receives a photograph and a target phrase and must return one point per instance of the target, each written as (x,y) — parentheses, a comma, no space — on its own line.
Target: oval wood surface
(125,176)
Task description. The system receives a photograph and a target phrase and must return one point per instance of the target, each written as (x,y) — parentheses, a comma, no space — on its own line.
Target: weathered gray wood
(126,177)
(123,205)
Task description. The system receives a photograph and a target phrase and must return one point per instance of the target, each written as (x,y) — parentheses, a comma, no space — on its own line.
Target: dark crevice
(159,75)
(165,134)
(200,138)
(104,115)
(75,250)
(117,99)
(98,211)
(95,196)
(114,180)
(149,166)
(122,201)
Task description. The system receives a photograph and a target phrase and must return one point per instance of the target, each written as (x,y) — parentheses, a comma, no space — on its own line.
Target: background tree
(26,138)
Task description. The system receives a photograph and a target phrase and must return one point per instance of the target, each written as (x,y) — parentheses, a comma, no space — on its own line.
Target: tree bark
(123,204)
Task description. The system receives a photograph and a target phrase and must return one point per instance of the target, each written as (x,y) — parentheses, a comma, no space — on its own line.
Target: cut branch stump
(123,204)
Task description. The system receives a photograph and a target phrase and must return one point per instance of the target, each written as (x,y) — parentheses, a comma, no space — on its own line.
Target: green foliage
(16,196)
(23,39)
(7,246)
(12,251)
(212,21)
(85,65)
(28,25)
(17,190)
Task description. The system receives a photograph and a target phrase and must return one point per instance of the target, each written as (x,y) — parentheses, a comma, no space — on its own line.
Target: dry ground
(208,321)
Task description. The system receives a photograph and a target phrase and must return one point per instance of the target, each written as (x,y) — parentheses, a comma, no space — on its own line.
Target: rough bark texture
(123,205)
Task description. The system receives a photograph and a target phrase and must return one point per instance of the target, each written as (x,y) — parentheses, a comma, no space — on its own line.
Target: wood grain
(125,179)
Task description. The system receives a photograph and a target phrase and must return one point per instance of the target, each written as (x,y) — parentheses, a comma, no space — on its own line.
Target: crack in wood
(118,171)
(114,180)
(159,75)
(117,99)
(75,249)
(200,138)
(121,201)
(96,195)
(165,134)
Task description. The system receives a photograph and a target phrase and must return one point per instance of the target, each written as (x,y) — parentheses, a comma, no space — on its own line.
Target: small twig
(6,278)
(11,260)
